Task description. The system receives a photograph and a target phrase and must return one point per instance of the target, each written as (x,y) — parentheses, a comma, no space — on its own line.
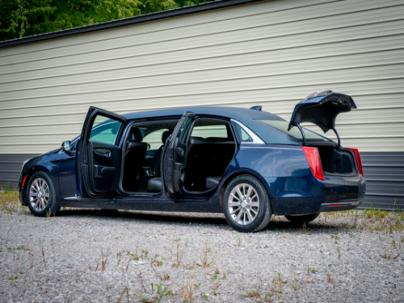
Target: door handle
(103,153)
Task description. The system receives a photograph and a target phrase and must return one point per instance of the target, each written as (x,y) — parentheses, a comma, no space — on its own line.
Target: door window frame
(226,121)
(85,185)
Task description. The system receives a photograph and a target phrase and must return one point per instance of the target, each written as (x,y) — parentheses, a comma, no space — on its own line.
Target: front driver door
(99,153)
(174,155)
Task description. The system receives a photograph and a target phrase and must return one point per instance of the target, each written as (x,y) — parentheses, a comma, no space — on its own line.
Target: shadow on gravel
(152,217)
(278,224)
(315,227)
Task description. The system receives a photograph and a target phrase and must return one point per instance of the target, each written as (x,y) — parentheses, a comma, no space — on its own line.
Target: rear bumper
(335,193)
(343,193)
(336,206)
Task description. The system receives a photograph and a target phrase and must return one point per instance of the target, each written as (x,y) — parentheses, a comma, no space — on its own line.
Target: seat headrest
(136,135)
(165,135)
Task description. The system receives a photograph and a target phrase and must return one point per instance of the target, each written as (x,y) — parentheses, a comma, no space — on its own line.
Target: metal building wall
(264,52)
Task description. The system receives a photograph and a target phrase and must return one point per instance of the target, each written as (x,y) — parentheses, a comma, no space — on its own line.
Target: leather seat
(156,163)
(134,160)
(155,184)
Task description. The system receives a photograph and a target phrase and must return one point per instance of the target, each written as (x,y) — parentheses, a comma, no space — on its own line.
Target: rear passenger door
(99,153)
(174,155)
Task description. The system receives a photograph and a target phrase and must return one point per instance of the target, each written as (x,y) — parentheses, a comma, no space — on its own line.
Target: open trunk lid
(321,109)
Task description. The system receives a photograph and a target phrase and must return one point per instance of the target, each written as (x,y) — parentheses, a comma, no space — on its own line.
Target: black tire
(302,219)
(262,213)
(52,205)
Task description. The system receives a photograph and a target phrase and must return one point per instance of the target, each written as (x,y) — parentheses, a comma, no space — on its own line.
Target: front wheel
(40,195)
(246,204)
(302,219)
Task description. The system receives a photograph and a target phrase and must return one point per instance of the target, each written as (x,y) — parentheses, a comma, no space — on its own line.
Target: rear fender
(242,171)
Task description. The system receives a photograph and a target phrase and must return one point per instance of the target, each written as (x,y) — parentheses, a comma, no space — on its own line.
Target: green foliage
(19,18)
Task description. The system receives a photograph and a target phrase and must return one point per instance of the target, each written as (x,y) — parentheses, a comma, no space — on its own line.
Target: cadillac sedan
(246,163)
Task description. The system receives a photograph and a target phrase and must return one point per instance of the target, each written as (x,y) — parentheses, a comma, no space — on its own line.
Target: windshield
(294,132)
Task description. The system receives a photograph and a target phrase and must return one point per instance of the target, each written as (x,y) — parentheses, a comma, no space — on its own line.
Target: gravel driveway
(89,256)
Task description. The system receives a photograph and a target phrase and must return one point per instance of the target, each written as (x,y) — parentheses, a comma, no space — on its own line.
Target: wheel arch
(244,171)
(32,170)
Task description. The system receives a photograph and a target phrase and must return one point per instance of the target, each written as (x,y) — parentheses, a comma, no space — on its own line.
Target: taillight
(313,158)
(357,159)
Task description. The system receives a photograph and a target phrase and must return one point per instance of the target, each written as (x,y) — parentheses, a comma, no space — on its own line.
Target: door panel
(106,161)
(174,155)
(99,153)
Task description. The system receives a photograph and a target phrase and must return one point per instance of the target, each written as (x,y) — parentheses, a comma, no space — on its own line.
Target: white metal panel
(334,14)
(267,52)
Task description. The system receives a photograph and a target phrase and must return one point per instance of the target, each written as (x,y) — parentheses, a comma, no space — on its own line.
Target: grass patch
(376,213)
(374,220)
(9,201)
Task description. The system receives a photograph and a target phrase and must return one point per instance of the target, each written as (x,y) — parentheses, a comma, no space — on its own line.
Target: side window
(105,130)
(154,138)
(242,134)
(205,128)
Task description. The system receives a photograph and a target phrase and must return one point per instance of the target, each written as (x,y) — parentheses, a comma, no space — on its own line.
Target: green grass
(376,213)
(374,220)
(9,201)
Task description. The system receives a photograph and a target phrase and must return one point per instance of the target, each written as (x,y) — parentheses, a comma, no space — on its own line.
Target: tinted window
(294,132)
(154,138)
(105,130)
(242,134)
(206,131)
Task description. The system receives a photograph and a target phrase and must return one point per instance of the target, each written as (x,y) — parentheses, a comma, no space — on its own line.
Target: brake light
(357,159)
(313,158)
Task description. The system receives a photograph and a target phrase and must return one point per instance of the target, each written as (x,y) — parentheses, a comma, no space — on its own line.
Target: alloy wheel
(39,194)
(243,204)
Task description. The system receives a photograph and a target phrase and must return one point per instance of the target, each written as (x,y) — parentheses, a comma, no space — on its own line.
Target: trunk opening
(336,161)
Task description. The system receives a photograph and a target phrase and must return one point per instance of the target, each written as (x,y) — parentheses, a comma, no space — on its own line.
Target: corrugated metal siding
(10,168)
(385,180)
(266,52)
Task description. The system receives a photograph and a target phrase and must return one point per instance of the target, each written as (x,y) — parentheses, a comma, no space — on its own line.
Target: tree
(19,18)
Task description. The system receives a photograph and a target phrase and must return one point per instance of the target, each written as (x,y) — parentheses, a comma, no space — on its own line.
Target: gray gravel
(88,256)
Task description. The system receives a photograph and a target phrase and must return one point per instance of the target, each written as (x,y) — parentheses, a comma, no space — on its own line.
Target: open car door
(321,109)
(174,155)
(99,153)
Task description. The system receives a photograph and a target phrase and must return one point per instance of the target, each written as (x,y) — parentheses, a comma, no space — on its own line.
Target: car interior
(142,154)
(210,147)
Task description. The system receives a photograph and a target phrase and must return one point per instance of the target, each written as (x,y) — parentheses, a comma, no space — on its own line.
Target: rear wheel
(302,219)
(246,204)
(40,195)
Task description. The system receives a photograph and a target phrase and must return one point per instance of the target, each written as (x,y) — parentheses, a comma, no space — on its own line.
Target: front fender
(43,163)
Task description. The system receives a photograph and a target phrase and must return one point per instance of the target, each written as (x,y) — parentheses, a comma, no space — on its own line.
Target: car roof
(237,113)
(251,118)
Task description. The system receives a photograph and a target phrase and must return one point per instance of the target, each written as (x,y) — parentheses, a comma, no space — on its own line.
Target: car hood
(321,109)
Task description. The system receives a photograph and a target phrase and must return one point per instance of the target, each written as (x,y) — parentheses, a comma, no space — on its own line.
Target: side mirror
(66,146)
